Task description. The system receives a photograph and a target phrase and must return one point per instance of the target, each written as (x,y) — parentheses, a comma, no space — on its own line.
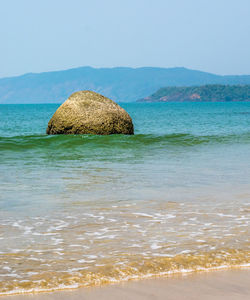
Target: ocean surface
(88,210)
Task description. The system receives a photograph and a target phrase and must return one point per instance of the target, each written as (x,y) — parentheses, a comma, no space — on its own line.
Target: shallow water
(86,210)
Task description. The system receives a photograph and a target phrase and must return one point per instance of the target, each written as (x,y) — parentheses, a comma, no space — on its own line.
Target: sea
(86,210)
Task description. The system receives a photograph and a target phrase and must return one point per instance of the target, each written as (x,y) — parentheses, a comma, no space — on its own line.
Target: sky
(48,35)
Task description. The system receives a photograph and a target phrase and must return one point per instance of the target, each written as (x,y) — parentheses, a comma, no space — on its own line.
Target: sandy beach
(230,285)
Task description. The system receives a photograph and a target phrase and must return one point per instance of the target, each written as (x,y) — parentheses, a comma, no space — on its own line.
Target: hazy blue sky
(45,35)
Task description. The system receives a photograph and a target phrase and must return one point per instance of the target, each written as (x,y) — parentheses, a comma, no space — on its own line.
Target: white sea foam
(155,246)
(143,215)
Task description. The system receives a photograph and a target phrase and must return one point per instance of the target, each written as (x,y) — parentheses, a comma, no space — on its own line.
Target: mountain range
(121,84)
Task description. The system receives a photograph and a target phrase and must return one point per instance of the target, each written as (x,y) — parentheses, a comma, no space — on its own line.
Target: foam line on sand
(220,285)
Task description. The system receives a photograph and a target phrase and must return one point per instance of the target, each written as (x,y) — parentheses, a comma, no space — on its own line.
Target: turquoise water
(173,197)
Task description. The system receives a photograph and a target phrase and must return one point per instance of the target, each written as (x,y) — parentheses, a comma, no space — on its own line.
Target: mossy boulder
(86,112)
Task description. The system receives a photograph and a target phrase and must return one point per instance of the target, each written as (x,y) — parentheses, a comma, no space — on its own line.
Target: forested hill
(119,84)
(206,93)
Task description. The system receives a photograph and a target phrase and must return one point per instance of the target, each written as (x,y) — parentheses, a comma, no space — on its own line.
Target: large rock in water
(87,112)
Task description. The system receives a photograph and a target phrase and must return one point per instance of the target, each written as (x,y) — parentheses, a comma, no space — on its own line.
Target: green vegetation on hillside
(205,93)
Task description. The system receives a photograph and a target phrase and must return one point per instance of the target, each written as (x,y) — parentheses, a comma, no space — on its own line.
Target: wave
(60,142)
(136,268)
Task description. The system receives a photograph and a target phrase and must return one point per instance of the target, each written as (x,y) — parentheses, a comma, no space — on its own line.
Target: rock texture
(86,112)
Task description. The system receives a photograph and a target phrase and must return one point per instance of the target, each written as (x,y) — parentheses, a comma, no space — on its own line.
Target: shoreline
(222,284)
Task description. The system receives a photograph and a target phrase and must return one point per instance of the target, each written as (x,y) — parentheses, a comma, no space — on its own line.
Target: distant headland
(120,84)
(205,93)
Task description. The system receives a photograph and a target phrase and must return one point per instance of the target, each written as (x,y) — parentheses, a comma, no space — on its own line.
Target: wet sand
(228,285)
